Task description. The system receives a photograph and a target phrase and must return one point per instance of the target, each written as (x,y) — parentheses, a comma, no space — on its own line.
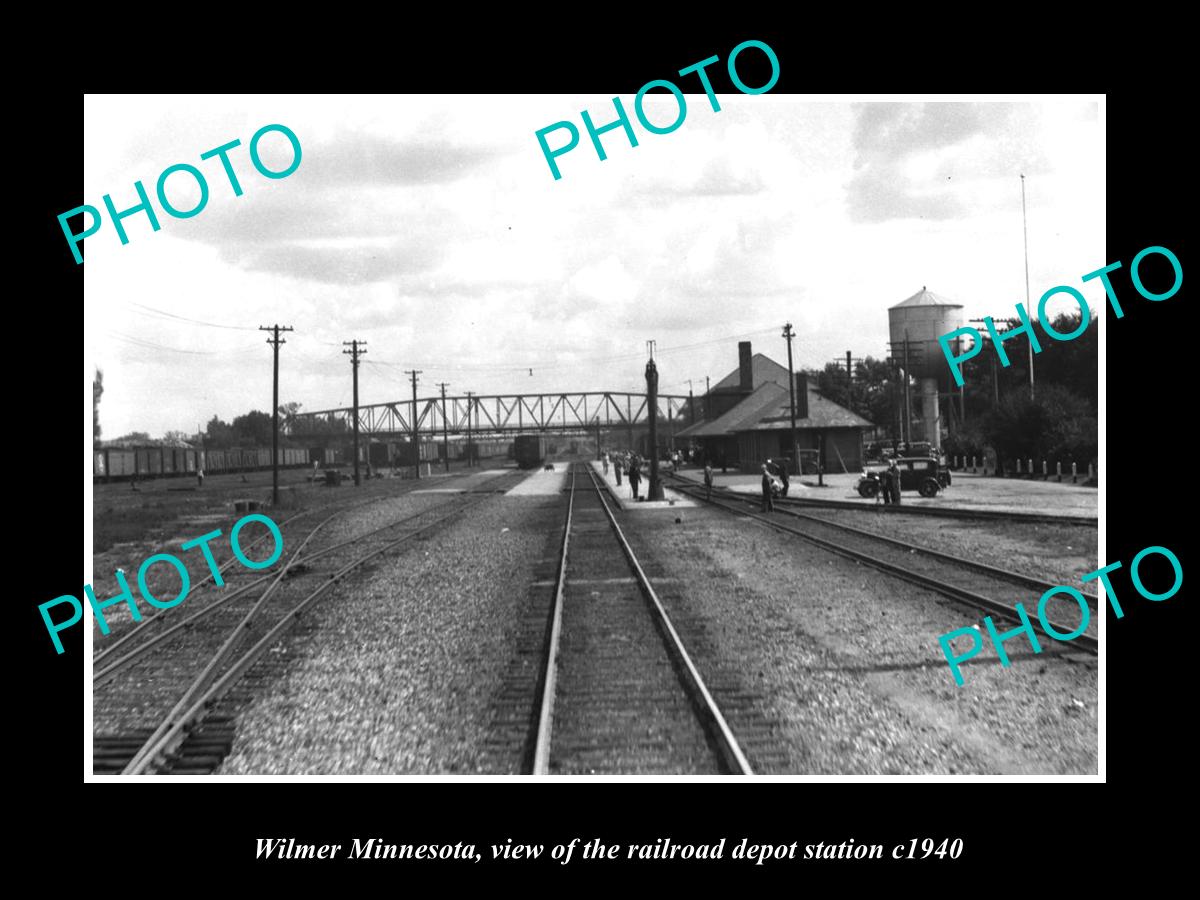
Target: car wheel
(929,488)
(868,489)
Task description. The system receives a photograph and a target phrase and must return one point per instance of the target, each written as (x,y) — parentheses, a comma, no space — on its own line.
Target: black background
(1009,828)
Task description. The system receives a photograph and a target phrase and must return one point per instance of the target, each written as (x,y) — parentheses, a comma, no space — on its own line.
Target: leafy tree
(1055,425)
(177,436)
(218,435)
(254,429)
(873,392)
(135,436)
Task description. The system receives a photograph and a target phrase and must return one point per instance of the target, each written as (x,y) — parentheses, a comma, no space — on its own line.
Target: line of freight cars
(119,463)
(399,453)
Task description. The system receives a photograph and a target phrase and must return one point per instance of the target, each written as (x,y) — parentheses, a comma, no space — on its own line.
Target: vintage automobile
(923,473)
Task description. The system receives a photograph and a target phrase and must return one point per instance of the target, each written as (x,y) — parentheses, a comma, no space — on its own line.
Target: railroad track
(617,690)
(124,631)
(939,512)
(887,555)
(182,690)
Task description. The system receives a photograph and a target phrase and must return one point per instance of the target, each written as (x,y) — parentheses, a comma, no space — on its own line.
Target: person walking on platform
(604,459)
(768,504)
(618,464)
(783,476)
(635,476)
(885,486)
(708,479)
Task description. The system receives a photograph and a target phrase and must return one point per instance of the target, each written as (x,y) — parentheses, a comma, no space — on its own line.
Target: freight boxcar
(530,450)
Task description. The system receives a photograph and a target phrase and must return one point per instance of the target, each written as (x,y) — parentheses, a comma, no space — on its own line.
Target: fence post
(1074,475)
(1018,465)
(1058,467)
(972,465)
(1091,475)
(1031,467)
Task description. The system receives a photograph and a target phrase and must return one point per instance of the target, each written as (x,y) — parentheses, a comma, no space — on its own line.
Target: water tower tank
(924,316)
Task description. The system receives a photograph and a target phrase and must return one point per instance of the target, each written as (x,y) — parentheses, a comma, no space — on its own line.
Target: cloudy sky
(431,228)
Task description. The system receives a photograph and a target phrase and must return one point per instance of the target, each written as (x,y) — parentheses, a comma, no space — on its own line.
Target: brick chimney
(801,395)
(745,369)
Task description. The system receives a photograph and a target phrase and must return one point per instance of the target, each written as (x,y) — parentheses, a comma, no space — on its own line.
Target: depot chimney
(745,369)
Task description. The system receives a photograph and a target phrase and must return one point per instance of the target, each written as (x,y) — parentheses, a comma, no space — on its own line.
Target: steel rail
(961,595)
(541,754)
(154,617)
(160,743)
(994,571)
(158,614)
(235,634)
(140,649)
(731,752)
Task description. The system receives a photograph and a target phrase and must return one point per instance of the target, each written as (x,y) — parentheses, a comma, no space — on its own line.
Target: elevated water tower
(914,326)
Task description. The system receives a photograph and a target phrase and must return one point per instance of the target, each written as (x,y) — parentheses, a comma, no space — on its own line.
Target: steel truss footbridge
(496,415)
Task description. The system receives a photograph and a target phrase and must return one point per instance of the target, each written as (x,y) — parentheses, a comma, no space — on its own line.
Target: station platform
(967,491)
(623,495)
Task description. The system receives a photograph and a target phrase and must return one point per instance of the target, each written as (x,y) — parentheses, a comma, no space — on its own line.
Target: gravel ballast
(397,674)
(850,659)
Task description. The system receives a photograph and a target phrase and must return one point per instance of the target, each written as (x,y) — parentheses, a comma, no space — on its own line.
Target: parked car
(924,474)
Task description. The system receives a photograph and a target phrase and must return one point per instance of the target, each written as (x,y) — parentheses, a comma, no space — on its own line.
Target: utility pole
(470,394)
(1025,232)
(788,334)
(275,341)
(654,491)
(691,402)
(907,401)
(415,444)
(355,352)
(445,433)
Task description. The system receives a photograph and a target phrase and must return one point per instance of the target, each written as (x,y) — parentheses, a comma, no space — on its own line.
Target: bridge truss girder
(494,414)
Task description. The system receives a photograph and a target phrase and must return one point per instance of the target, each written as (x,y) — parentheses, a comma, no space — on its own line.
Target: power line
(169,315)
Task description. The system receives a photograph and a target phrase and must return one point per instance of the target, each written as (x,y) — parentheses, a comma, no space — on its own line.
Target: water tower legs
(930,415)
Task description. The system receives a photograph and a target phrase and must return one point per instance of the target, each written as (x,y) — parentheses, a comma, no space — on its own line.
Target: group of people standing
(889,484)
(629,464)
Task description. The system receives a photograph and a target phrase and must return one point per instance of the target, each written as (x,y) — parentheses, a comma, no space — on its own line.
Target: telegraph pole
(1025,232)
(691,402)
(275,341)
(788,334)
(416,446)
(445,433)
(355,352)
(470,394)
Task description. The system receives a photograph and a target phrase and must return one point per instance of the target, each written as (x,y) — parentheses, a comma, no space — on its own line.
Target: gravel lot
(397,676)
(1060,554)
(851,661)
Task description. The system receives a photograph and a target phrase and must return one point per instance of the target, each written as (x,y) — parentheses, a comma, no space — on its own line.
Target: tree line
(994,412)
